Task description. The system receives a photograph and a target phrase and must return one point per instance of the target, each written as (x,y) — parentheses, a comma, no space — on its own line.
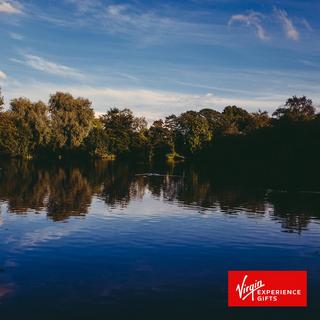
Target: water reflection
(64,190)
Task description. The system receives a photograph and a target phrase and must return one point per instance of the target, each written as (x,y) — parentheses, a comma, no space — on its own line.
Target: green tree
(8,132)
(258,120)
(236,120)
(97,143)
(192,132)
(296,109)
(32,119)
(139,143)
(118,124)
(161,140)
(11,141)
(214,118)
(126,132)
(71,120)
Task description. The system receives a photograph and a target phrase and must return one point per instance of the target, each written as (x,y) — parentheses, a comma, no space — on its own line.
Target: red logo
(267,288)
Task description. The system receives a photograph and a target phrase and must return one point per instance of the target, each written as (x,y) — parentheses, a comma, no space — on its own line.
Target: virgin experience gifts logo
(267,288)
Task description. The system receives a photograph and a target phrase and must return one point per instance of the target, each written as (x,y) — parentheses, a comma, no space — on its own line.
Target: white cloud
(306,24)
(310,63)
(10,7)
(127,19)
(251,19)
(16,36)
(288,27)
(151,104)
(2,75)
(117,11)
(44,65)
(84,6)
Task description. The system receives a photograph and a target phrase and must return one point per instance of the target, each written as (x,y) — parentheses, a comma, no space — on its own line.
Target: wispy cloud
(16,36)
(2,75)
(149,103)
(145,26)
(306,24)
(121,14)
(310,63)
(251,19)
(47,66)
(84,5)
(10,7)
(254,19)
(287,24)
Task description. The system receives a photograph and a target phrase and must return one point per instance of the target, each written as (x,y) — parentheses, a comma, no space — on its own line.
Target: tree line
(67,126)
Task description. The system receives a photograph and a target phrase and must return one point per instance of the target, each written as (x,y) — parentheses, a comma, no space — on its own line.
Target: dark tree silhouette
(296,109)
(1,100)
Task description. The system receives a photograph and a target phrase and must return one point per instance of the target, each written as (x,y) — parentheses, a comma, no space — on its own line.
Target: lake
(118,240)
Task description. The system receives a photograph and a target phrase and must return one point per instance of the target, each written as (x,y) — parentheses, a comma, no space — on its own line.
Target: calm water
(110,241)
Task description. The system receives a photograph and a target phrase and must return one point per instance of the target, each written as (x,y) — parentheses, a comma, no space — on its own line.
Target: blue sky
(161,57)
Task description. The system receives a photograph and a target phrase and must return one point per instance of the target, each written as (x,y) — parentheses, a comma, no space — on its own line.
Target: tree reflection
(295,209)
(70,194)
(23,186)
(64,190)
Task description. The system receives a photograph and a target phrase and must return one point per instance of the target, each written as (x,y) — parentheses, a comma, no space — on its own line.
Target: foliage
(236,120)
(97,143)
(67,126)
(296,109)
(215,120)
(161,140)
(1,101)
(71,120)
(191,131)
(124,130)
(10,143)
(33,118)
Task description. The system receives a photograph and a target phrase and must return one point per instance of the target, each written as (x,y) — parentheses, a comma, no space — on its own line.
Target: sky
(161,57)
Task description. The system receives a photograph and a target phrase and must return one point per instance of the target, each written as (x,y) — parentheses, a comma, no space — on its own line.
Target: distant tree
(98,143)
(161,140)
(33,119)
(1,100)
(139,124)
(192,132)
(11,139)
(296,109)
(258,120)
(118,124)
(124,129)
(236,120)
(214,118)
(139,142)
(71,120)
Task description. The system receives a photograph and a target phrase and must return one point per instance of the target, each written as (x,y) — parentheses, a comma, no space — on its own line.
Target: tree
(139,142)
(296,109)
(33,119)
(11,140)
(235,120)
(161,140)
(71,120)
(124,130)
(98,143)
(118,125)
(1,100)
(192,132)
(258,120)
(215,120)
(9,136)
